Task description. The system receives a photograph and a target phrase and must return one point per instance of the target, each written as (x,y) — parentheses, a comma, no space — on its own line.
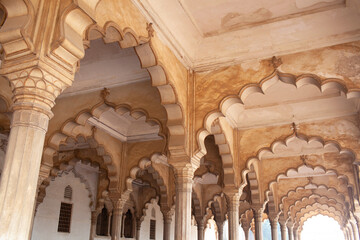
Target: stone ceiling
(207,34)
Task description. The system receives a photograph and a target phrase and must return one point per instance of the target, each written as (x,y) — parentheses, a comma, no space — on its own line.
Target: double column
(34,96)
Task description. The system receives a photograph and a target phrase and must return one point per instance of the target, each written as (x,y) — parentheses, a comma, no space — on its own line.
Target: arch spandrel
(148,165)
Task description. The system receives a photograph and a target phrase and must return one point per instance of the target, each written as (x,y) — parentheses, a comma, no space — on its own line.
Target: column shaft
(274,233)
(283,231)
(290,232)
(220,227)
(21,171)
(167,226)
(258,224)
(200,227)
(116,224)
(183,204)
(234,217)
(246,233)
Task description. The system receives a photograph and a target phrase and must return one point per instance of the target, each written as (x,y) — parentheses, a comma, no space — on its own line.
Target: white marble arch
(48,212)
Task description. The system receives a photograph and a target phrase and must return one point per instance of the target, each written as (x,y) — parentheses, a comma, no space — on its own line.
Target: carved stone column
(283,230)
(200,228)
(93,225)
(258,222)
(183,181)
(274,223)
(246,227)
(290,229)
(295,232)
(220,227)
(234,216)
(34,93)
(117,220)
(167,225)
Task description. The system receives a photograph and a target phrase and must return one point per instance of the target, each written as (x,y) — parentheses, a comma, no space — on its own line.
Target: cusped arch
(317,207)
(283,145)
(309,215)
(315,189)
(218,206)
(66,168)
(77,23)
(303,202)
(145,164)
(313,186)
(234,104)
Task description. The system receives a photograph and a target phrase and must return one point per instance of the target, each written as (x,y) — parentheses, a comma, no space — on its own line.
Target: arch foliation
(78,27)
(146,164)
(235,105)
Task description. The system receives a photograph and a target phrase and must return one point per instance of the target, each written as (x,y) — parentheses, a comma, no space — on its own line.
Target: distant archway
(321,227)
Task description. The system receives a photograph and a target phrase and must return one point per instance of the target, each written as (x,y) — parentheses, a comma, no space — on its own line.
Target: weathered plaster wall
(48,212)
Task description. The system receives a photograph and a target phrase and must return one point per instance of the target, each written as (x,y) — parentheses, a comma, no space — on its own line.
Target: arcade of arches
(178,119)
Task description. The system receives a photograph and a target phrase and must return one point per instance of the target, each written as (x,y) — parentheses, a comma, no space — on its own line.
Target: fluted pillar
(234,216)
(220,227)
(117,221)
(167,225)
(273,223)
(183,182)
(283,230)
(295,232)
(33,97)
(290,230)
(258,222)
(200,228)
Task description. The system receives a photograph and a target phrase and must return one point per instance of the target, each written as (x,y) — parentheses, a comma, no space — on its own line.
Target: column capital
(258,210)
(168,216)
(290,223)
(34,88)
